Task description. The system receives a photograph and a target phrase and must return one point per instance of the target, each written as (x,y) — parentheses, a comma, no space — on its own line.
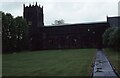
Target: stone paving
(102,67)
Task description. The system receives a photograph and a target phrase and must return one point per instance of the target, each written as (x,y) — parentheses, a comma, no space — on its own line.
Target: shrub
(111,37)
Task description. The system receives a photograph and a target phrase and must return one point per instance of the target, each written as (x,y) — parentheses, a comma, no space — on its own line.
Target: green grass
(72,62)
(114,57)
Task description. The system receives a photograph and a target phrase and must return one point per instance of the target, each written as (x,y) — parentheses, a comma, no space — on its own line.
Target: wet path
(102,67)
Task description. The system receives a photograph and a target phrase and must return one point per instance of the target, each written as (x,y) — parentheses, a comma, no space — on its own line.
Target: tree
(58,22)
(115,38)
(111,37)
(20,33)
(14,33)
(7,27)
(106,36)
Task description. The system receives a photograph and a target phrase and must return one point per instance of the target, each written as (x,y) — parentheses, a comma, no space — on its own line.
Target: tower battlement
(31,6)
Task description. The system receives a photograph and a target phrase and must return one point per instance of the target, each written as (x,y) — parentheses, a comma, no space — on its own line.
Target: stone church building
(81,35)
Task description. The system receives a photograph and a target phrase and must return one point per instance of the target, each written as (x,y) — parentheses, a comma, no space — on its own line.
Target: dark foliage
(14,33)
(111,37)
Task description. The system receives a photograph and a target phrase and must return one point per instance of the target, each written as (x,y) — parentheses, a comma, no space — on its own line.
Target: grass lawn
(71,62)
(114,57)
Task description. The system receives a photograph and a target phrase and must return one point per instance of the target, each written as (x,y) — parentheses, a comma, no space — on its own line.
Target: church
(69,36)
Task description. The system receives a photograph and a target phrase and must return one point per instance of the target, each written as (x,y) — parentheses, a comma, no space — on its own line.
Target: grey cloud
(15,8)
(82,12)
(71,12)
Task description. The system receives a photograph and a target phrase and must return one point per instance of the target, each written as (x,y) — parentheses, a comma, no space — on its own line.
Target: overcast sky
(72,11)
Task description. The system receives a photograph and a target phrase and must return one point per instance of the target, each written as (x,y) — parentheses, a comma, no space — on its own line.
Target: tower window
(88,30)
(94,32)
(29,23)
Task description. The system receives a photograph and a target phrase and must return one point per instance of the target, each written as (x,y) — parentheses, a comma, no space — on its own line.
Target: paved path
(102,67)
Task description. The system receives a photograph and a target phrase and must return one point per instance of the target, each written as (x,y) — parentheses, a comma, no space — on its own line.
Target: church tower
(33,14)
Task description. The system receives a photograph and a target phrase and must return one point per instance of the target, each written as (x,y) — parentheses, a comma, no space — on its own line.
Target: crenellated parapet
(31,6)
